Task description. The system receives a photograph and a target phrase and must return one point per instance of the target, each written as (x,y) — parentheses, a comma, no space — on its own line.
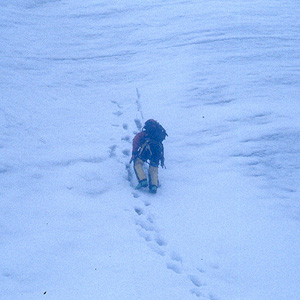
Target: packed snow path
(77,82)
(145,218)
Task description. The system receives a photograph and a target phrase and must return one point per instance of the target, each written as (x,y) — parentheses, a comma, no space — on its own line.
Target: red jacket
(137,142)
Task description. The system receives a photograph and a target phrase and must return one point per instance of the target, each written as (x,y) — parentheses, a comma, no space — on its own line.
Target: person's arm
(136,143)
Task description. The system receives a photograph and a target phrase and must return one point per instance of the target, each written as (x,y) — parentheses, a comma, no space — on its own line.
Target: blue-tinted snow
(78,79)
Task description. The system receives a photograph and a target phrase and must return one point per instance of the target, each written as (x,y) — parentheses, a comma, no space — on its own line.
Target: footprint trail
(129,119)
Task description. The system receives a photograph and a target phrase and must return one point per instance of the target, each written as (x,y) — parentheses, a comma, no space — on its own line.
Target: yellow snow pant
(140,173)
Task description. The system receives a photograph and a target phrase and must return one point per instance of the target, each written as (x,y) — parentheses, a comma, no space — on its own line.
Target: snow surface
(78,78)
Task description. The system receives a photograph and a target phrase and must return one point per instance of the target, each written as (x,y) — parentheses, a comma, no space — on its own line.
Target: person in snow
(147,147)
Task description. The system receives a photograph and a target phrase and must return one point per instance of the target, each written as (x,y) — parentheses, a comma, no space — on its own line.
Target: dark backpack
(155,131)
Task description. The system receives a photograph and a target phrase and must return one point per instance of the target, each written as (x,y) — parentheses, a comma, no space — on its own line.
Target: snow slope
(77,81)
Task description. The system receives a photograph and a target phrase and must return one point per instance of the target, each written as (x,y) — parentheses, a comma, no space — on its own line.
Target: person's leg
(153,178)
(153,168)
(140,174)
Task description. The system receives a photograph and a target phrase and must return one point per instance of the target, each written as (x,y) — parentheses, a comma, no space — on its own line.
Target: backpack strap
(145,146)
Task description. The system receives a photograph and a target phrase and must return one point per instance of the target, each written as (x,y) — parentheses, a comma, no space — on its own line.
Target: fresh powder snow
(78,80)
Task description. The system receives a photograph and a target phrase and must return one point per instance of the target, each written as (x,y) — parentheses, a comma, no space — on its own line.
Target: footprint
(150,219)
(157,249)
(196,292)
(146,226)
(175,256)
(34,176)
(174,267)
(116,103)
(138,124)
(201,270)
(112,152)
(126,138)
(139,211)
(3,169)
(125,126)
(214,265)
(213,297)
(129,174)
(160,241)
(147,203)
(145,235)
(126,152)
(195,280)
(118,113)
